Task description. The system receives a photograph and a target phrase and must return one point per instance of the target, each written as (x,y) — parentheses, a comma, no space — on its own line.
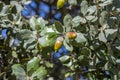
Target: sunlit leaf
(72,2)
(64,58)
(80,38)
(5,9)
(102,37)
(33,64)
(19,72)
(77,20)
(91,9)
(103,17)
(40,73)
(34,24)
(84,7)
(68,46)
(67,22)
(42,22)
(14,54)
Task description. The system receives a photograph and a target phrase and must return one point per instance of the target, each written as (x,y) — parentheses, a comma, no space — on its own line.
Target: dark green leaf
(1,6)
(59,27)
(85,51)
(18,8)
(25,34)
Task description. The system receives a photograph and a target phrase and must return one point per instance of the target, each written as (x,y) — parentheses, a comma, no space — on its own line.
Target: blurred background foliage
(31,29)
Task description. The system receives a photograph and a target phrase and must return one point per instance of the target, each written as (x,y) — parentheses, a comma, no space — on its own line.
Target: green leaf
(33,64)
(110,32)
(17,6)
(90,17)
(64,58)
(80,38)
(77,20)
(42,22)
(105,3)
(69,64)
(59,26)
(118,47)
(102,37)
(47,30)
(85,51)
(18,22)
(30,43)
(46,40)
(43,41)
(67,22)
(51,35)
(84,7)
(68,74)
(34,24)
(118,61)
(106,66)
(1,6)
(48,64)
(68,46)
(103,18)
(14,10)
(19,72)
(91,9)
(72,2)
(81,57)
(24,34)
(111,58)
(5,9)
(14,54)
(11,17)
(95,19)
(11,42)
(40,73)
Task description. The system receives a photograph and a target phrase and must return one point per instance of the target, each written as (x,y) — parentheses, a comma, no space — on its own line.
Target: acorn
(58,43)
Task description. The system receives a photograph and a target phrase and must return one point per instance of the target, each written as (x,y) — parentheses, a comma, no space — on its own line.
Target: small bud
(60,3)
(71,35)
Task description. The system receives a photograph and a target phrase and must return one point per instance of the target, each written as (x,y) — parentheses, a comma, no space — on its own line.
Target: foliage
(28,36)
